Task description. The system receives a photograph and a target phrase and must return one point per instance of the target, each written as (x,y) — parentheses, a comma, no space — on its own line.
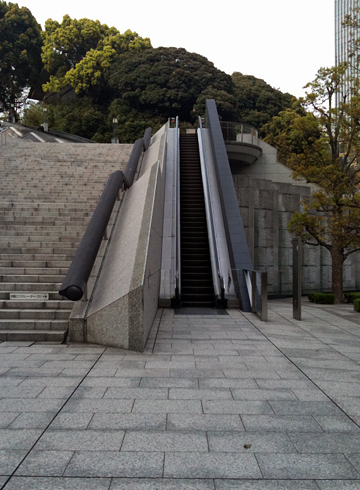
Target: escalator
(196,275)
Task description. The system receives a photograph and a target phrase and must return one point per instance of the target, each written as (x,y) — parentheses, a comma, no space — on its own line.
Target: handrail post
(253,291)
(264,297)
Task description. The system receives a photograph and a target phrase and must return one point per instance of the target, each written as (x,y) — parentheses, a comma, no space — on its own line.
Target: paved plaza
(218,402)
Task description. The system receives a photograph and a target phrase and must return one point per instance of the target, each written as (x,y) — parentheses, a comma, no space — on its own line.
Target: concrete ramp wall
(125,298)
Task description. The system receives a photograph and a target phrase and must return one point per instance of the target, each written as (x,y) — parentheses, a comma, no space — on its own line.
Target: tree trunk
(337,273)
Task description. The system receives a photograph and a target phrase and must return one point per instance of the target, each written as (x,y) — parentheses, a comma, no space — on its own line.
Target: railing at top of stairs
(75,282)
(218,279)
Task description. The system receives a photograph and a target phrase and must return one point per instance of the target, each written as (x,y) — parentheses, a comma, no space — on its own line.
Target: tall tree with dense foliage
(20,55)
(78,52)
(165,81)
(257,101)
(331,217)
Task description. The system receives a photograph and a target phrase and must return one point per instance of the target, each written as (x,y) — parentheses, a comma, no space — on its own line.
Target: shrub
(350,297)
(322,298)
(357,304)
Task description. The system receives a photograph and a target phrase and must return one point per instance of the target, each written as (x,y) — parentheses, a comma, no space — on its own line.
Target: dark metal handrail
(214,252)
(74,285)
(79,271)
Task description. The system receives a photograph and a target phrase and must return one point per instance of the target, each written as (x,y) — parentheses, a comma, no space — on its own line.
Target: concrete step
(52,336)
(62,264)
(32,271)
(36,305)
(7,278)
(53,295)
(34,314)
(34,287)
(35,324)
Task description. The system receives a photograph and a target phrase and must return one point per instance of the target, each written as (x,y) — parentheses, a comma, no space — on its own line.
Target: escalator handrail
(177,215)
(219,285)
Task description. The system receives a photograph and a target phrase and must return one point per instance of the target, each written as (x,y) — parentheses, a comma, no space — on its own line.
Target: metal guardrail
(177,217)
(239,133)
(218,279)
(75,283)
(256,283)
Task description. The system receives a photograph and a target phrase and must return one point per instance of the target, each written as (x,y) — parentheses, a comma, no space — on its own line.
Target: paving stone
(303,466)
(6,418)
(45,463)
(228,383)
(237,407)
(138,393)
(28,483)
(51,381)
(98,405)
(281,423)
(211,465)
(266,485)
(163,484)
(271,442)
(305,408)
(338,484)
(27,420)
(30,405)
(177,421)
(199,394)
(111,382)
(128,421)
(66,421)
(261,394)
(167,406)
(336,423)
(169,383)
(164,441)
(85,440)
(10,459)
(18,438)
(116,464)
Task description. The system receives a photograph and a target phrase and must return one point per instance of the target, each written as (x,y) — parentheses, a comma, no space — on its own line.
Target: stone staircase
(48,193)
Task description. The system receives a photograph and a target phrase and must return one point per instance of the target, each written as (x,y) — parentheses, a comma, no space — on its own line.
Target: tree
(20,55)
(292,132)
(257,101)
(331,217)
(164,81)
(78,52)
(225,103)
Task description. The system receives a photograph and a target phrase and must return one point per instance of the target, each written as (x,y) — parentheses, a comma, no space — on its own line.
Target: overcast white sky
(284,42)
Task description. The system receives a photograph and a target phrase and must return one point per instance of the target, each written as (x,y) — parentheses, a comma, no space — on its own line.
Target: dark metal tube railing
(134,160)
(147,138)
(74,285)
(79,271)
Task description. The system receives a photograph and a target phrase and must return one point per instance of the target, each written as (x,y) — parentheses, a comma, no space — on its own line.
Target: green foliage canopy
(77,52)
(20,54)
(164,81)
(257,101)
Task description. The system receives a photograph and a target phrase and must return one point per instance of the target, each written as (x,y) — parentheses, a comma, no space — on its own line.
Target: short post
(297,254)
(264,296)
(253,291)
(115,138)
(45,120)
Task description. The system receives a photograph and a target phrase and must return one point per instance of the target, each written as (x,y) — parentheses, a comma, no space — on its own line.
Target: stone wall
(268,196)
